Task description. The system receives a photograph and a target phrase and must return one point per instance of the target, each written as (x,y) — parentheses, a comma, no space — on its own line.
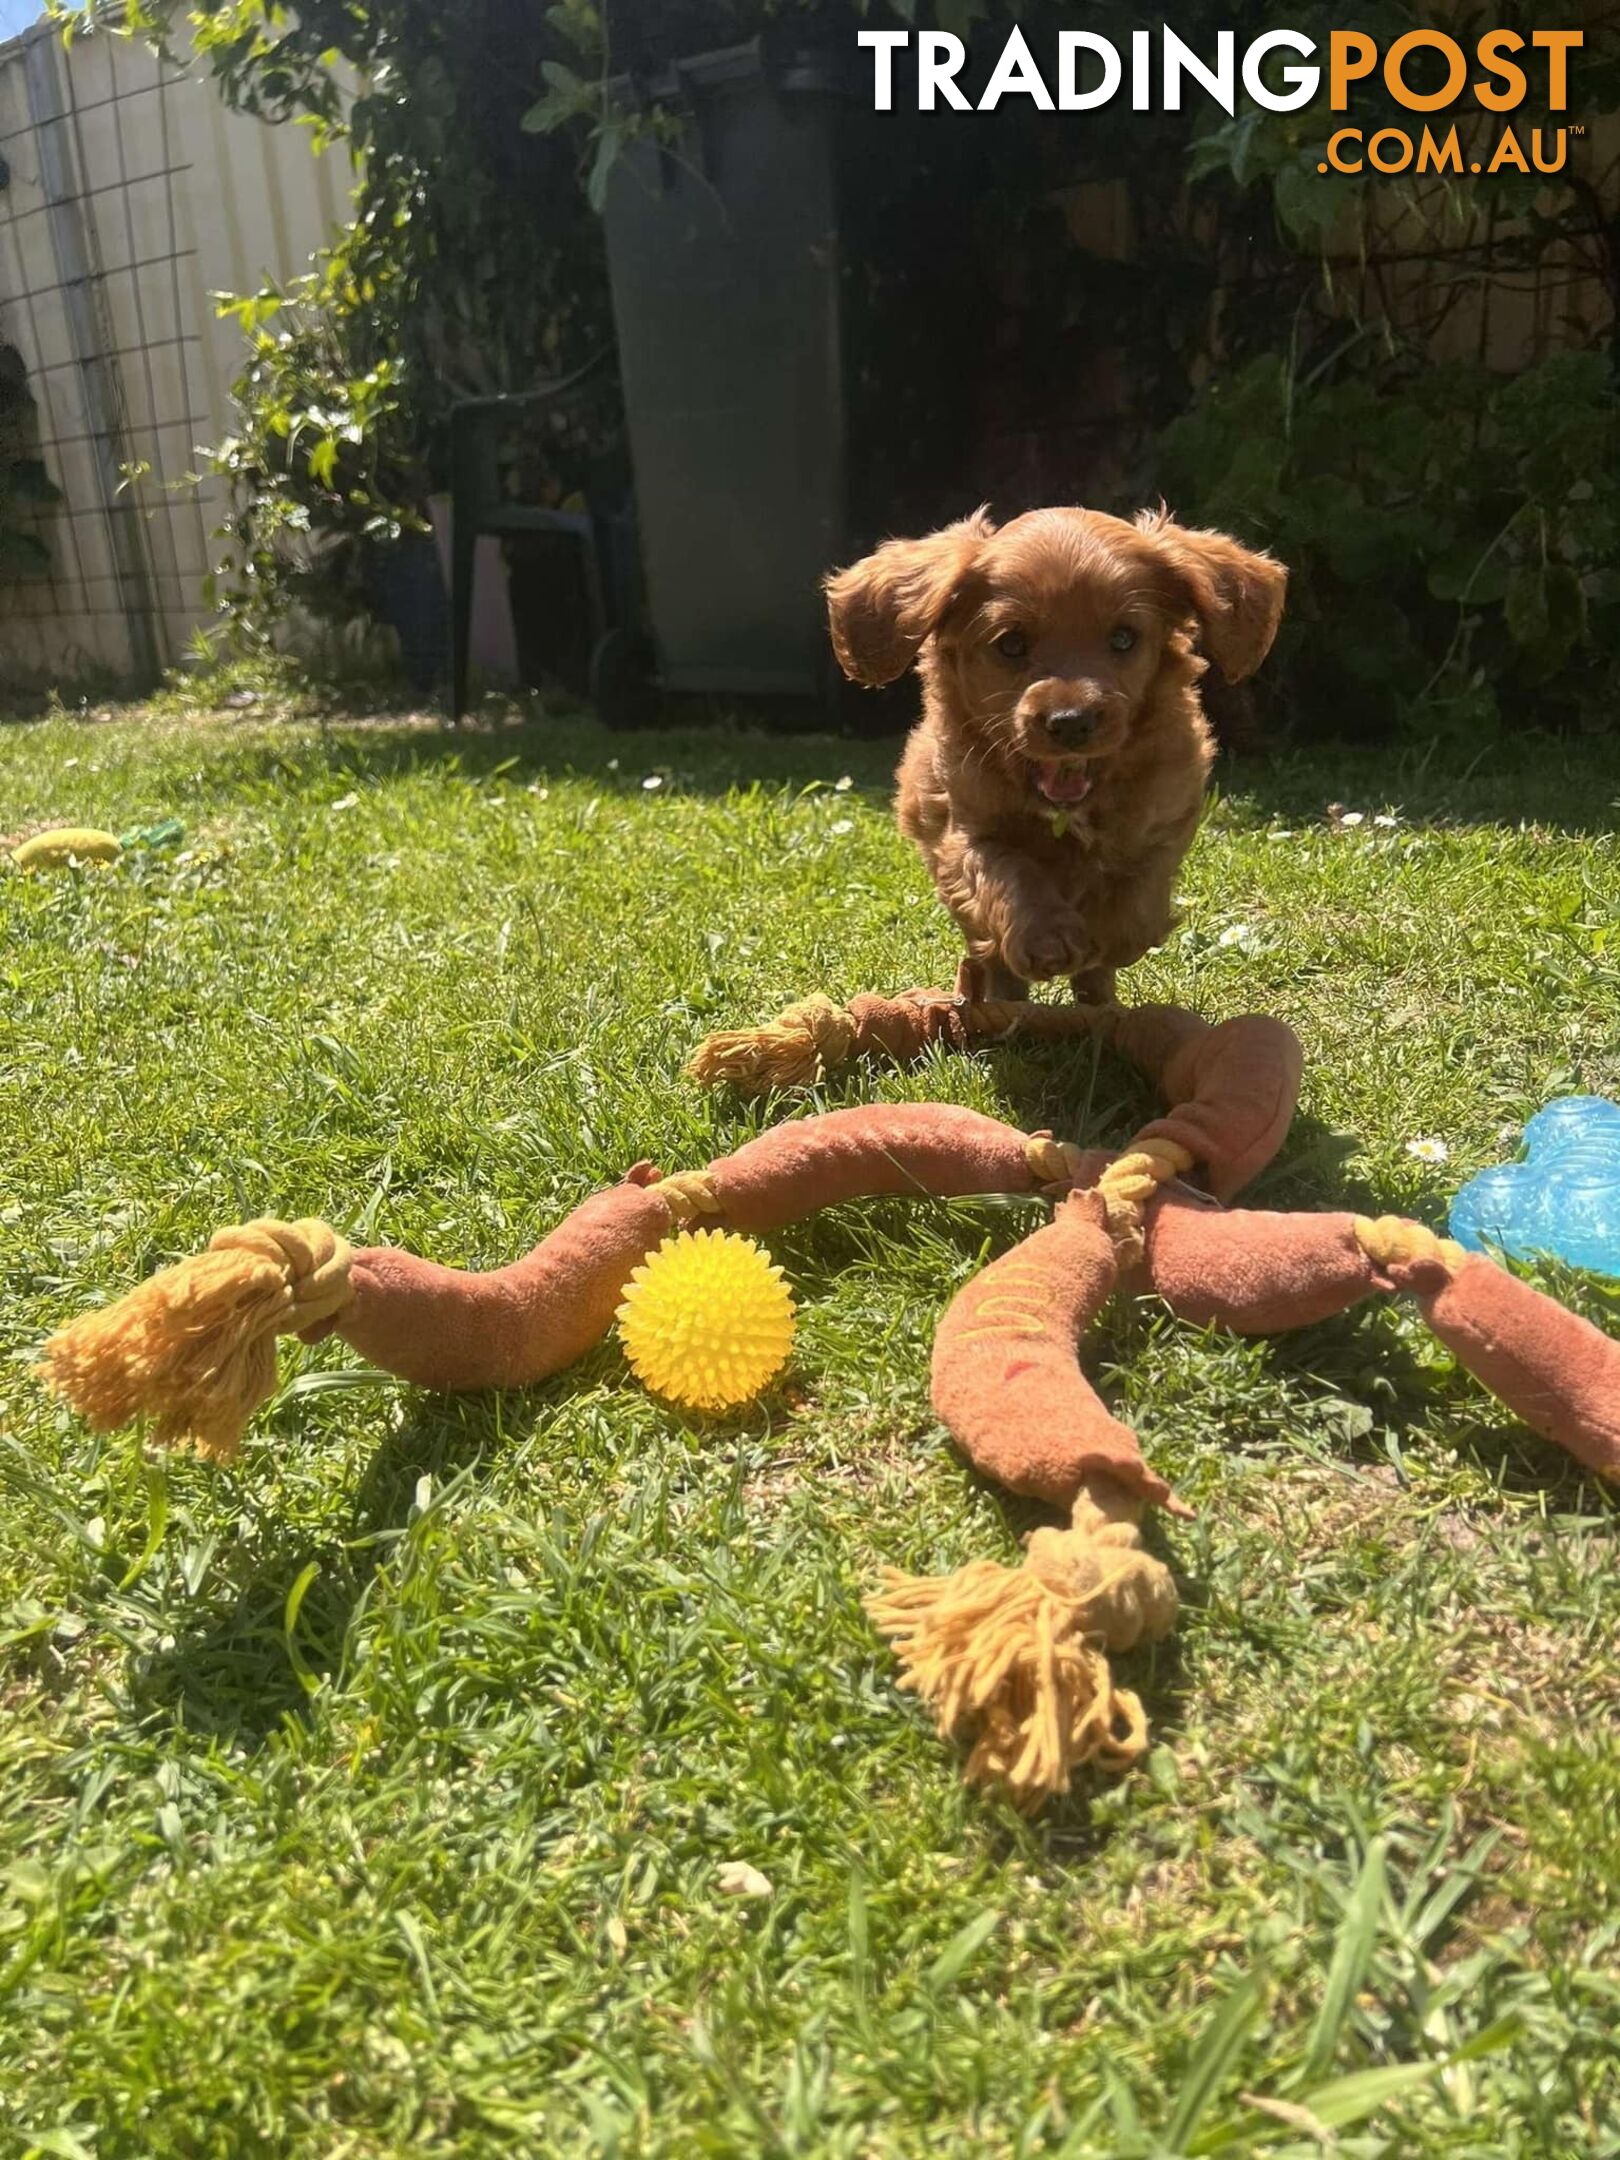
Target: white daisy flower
(1428,1150)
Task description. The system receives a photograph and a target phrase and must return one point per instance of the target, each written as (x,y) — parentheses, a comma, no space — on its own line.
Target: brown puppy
(1056,777)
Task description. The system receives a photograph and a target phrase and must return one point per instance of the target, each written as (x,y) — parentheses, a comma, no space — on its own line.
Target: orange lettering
(1335,155)
(1491,48)
(1440,156)
(1395,60)
(1403,150)
(1558,45)
(1352,55)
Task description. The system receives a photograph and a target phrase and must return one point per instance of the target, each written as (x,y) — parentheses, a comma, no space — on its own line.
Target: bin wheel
(623,687)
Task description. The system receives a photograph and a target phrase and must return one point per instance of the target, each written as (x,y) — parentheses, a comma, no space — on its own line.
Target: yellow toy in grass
(67,843)
(707,1320)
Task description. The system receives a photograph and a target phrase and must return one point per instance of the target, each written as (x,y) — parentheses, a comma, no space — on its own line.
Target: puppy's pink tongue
(1062,783)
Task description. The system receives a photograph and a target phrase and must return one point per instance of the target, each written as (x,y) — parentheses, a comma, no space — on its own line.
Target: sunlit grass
(375,1796)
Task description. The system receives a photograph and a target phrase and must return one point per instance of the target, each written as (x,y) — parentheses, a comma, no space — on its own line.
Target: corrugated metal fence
(134,196)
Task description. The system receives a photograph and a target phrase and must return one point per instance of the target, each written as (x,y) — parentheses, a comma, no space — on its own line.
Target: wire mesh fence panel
(134,199)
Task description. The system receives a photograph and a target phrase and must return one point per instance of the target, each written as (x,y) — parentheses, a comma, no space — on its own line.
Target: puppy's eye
(1123,638)
(1012,645)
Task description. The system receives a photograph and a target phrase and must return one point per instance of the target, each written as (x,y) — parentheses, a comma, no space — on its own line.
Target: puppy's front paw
(1055,945)
(982,976)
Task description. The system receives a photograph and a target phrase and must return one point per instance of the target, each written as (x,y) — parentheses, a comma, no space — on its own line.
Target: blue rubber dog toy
(1562,1200)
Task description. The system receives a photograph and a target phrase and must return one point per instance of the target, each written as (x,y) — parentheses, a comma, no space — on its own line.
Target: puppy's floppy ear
(1236,593)
(880,610)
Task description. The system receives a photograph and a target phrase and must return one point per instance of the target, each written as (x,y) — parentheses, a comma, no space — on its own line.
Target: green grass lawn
(374,1796)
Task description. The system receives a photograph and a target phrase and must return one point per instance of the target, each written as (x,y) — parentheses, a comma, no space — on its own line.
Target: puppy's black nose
(1072,726)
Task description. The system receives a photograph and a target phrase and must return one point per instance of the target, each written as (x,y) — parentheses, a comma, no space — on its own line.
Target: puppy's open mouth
(1061,782)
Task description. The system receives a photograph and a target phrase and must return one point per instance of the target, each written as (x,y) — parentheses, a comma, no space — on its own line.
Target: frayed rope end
(796,1049)
(193,1348)
(1014,1661)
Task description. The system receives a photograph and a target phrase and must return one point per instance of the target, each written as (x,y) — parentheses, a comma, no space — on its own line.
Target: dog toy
(809,1040)
(707,1320)
(1014,1662)
(64,844)
(1010,1660)
(192,1347)
(1562,1200)
(166,833)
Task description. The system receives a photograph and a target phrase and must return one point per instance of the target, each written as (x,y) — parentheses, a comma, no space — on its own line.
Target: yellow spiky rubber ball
(707,1319)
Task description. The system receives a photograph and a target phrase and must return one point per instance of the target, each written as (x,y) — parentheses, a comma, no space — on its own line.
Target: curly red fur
(1056,777)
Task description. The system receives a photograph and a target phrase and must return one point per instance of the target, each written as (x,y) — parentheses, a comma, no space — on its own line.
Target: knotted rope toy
(194,1348)
(815,1037)
(1012,1661)
(1015,1659)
